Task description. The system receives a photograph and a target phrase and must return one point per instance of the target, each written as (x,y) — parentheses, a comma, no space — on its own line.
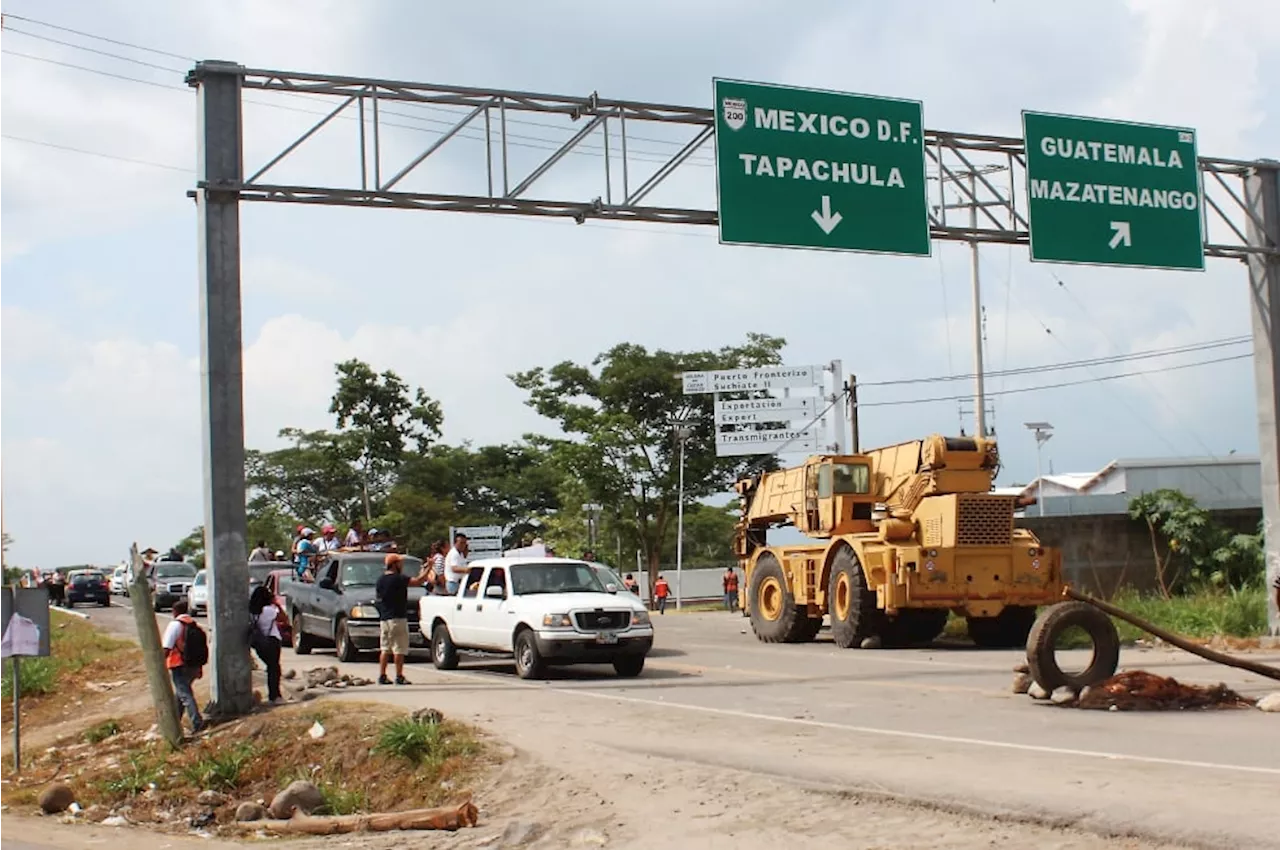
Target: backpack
(195,646)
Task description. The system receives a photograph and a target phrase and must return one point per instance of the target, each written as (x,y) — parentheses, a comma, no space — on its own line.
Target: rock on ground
(211,798)
(250,811)
(318,676)
(1037,692)
(1062,696)
(301,794)
(56,798)
(1271,702)
(1022,667)
(428,716)
(1021,683)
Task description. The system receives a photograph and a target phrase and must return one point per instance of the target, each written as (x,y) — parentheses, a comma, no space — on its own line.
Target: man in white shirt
(455,563)
(328,540)
(355,535)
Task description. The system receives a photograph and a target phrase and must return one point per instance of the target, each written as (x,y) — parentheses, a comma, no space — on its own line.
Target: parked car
(544,612)
(87,586)
(119,584)
(198,595)
(170,581)
(338,606)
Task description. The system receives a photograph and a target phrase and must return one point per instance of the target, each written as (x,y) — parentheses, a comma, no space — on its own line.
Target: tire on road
(628,666)
(775,617)
(1007,630)
(346,650)
(443,653)
(850,602)
(529,663)
(302,644)
(1051,624)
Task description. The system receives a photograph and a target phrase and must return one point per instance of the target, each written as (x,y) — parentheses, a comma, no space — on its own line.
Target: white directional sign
(764,442)
(745,380)
(752,410)
(485,540)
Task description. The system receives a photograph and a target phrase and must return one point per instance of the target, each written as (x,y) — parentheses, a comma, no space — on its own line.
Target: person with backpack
(186,652)
(264,637)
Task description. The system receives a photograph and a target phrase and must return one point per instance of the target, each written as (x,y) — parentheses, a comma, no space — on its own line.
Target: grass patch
(1235,613)
(142,773)
(342,801)
(220,770)
(78,652)
(102,731)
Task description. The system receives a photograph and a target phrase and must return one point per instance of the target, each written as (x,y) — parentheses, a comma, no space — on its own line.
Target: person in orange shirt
(186,652)
(730,582)
(661,590)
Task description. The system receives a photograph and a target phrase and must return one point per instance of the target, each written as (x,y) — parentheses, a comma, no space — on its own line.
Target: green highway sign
(1113,193)
(804,168)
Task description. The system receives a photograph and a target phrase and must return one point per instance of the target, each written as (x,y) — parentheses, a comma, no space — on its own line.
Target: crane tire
(851,603)
(773,607)
(1050,625)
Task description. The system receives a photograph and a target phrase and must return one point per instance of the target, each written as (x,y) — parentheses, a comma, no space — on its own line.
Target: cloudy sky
(101,409)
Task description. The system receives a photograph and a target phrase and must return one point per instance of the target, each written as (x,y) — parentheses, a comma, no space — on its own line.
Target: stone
(301,795)
(1022,668)
(588,838)
(1063,696)
(56,798)
(202,819)
(210,797)
(872,642)
(1037,692)
(290,674)
(1270,703)
(521,832)
(250,811)
(429,716)
(320,675)
(1021,683)
(115,820)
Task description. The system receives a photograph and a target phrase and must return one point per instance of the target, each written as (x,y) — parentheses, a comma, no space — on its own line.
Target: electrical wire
(100,154)
(105,53)
(7,15)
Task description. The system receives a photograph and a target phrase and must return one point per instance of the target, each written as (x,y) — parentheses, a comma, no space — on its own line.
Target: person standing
(392,601)
(303,551)
(265,638)
(661,590)
(186,652)
(455,563)
(355,535)
(730,582)
(260,553)
(630,583)
(328,541)
(437,569)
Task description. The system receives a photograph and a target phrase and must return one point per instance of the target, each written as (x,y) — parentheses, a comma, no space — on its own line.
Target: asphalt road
(938,725)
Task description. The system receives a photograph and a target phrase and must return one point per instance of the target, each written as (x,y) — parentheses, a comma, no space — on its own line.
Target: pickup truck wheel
(529,663)
(443,653)
(301,640)
(628,666)
(342,643)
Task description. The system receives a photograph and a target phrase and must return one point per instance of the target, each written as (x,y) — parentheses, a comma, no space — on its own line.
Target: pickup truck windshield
(175,570)
(528,579)
(365,572)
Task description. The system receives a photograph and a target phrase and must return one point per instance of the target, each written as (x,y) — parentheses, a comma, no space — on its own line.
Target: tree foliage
(619,411)
(1197,550)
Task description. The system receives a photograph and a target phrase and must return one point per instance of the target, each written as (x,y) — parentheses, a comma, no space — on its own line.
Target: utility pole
(1043,431)
(979,389)
(852,387)
(683,431)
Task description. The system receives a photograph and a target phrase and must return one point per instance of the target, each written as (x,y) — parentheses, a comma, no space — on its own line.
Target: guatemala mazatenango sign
(1113,192)
(804,168)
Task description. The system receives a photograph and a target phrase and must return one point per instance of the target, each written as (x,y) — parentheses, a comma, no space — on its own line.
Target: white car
(120,581)
(198,595)
(543,611)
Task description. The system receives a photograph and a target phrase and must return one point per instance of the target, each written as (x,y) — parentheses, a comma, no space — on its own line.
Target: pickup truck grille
(592,621)
(176,587)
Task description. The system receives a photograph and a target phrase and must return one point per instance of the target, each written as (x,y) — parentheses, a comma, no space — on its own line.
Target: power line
(98,37)
(1094,380)
(60,63)
(1070,364)
(105,53)
(86,152)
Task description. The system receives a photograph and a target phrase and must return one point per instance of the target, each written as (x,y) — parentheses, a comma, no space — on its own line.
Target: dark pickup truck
(338,607)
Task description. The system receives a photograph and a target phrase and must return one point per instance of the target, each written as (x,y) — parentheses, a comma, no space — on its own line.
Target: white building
(1233,482)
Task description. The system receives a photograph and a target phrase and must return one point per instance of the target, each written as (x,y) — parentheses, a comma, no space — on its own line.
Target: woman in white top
(265,638)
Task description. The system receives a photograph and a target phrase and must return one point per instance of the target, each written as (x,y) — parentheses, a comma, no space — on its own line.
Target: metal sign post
(24,617)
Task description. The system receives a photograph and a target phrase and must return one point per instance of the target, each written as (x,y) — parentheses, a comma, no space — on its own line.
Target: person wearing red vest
(661,590)
(183,673)
(730,582)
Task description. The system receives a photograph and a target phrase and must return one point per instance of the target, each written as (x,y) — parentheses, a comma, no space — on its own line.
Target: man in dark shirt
(392,601)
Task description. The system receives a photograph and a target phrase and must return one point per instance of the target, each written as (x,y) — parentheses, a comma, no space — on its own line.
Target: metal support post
(17,717)
(855,445)
(1262,203)
(979,390)
(680,530)
(837,393)
(222,377)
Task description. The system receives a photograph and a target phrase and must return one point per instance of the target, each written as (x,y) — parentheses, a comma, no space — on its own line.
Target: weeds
(102,731)
(137,778)
(73,645)
(342,801)
(37,676)
(220,771)
(1238,613)
(407,739)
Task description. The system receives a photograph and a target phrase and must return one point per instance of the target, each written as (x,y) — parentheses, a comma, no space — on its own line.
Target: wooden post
(152,654)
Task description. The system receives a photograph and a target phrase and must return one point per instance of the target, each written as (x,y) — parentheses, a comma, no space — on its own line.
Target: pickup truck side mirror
(611,587)
(327,584)
(495,592)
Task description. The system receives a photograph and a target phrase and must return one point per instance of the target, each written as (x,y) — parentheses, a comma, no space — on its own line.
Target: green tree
(313,479)
(191,547)
(381,417)
(1197,550)
(619,411)
(708,536)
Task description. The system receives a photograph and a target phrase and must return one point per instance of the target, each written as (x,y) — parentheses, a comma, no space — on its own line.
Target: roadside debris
(300,795)
(316,731)
(1138,690)
(447,818)
(329,677)
(1270,703)
(57,798)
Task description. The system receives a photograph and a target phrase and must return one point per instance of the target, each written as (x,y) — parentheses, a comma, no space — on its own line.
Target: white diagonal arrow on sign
(827,220)
(1122,234)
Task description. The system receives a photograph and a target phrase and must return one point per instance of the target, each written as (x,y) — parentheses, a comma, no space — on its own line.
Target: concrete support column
(220,172)
(1262,199)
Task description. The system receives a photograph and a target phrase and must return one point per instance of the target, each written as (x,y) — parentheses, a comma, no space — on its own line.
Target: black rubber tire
(1050,625)
(302,643)
(862,618)
(105,604)
(443,652)
(808,628)
(529,663)
(628,666)
(1008,630)
(791,623)
(346,650)
(914,627)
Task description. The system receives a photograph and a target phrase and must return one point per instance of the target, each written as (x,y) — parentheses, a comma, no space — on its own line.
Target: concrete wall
(1100,553)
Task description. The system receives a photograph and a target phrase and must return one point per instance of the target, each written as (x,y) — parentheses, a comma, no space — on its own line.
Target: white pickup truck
(544,611)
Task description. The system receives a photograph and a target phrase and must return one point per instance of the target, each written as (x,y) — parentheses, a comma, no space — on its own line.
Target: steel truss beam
(968,171)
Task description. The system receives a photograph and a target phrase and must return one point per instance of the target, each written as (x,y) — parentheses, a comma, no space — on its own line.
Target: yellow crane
(898,537)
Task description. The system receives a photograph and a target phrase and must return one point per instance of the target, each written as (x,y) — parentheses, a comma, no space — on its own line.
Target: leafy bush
(409,739)
(37,676)
(342,801)
(141,774)
(219,771)
(102,731)
(1198,551)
